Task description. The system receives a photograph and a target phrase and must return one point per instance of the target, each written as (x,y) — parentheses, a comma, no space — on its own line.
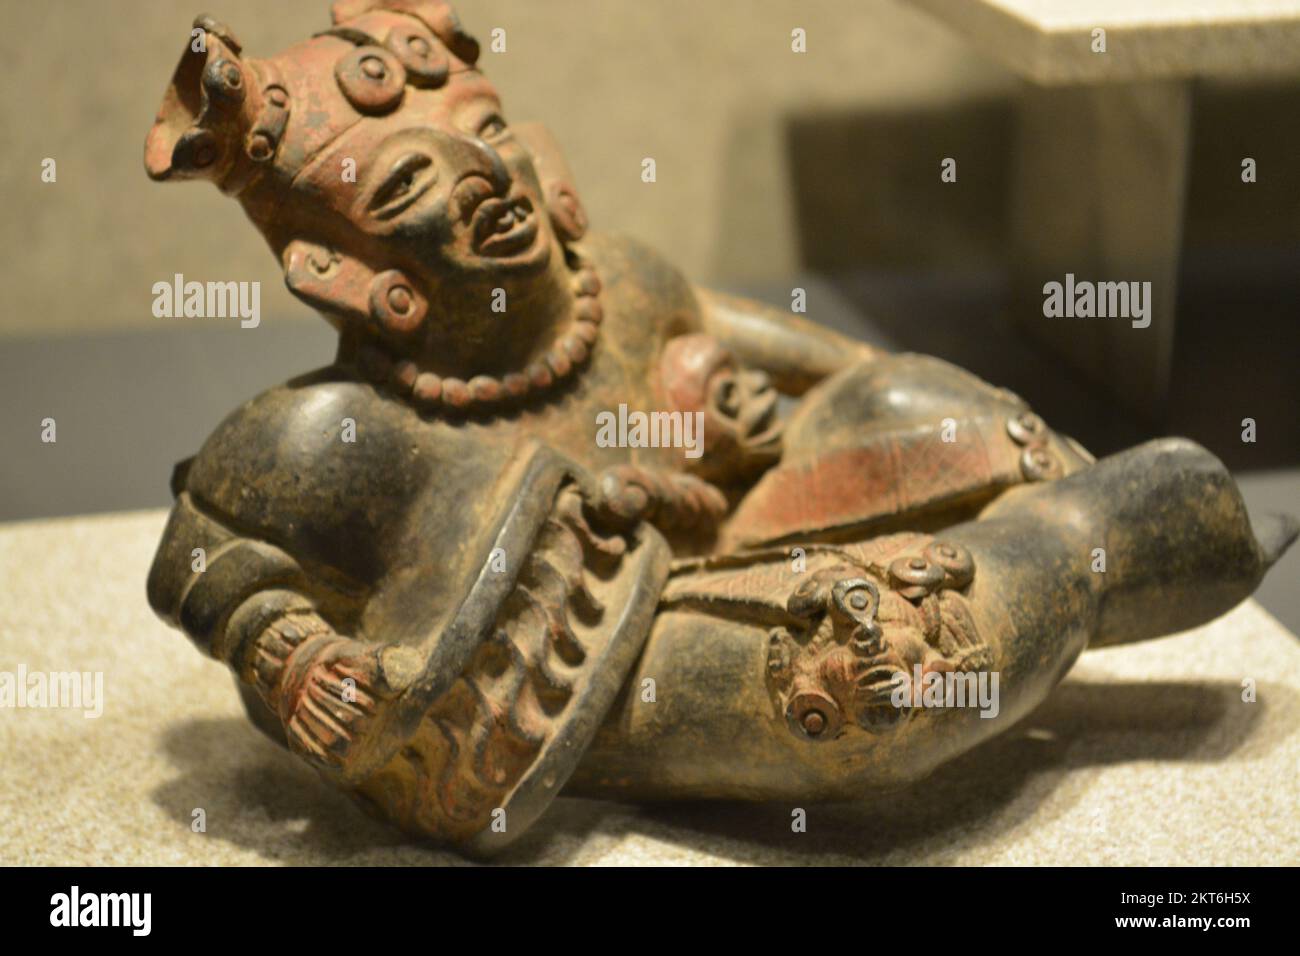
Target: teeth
(499,221)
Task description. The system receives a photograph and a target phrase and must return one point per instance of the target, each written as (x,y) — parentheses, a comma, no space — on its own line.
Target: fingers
(669,500)
(695,502)
(622,497)
(343,689)
(349,681)
(336,709)
(329,717)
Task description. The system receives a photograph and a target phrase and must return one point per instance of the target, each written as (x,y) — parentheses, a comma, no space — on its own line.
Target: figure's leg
(905,442)
(772,679)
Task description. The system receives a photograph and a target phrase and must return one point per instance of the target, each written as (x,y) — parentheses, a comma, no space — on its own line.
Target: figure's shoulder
(302,422)
(641,283)
(322,464)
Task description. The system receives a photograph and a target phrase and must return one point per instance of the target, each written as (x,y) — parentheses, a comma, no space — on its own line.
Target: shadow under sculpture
(455,571)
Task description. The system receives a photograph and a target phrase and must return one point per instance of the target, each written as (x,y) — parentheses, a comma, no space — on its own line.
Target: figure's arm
(327,689)
(671,501)
(246,603)
(795,352)
(249,604)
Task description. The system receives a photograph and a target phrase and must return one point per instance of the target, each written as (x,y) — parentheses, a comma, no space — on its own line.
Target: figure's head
(375,160)
(742,430)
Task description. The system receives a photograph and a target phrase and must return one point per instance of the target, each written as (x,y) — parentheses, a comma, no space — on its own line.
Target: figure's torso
(366,517)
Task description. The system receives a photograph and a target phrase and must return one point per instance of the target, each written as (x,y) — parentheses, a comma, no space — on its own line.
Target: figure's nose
(470,156)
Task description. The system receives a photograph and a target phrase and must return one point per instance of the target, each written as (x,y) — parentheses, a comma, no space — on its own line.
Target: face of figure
(380,167)
(444,190)
(742,431)
(742,405)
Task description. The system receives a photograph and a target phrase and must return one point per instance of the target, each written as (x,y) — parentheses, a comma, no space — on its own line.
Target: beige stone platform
(1146,755)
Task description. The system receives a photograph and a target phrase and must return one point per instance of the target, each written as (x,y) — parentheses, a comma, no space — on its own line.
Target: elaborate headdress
(250,125)
(255,127)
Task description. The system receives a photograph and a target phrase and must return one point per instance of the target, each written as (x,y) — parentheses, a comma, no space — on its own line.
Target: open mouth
(503,226)
(758,420)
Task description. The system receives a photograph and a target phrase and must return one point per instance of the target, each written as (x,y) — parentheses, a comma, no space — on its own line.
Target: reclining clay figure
(436,585)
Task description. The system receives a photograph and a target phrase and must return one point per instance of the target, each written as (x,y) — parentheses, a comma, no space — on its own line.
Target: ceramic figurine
(545,527)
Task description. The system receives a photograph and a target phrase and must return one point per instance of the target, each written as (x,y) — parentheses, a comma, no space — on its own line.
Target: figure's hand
(335,701)
(671,501)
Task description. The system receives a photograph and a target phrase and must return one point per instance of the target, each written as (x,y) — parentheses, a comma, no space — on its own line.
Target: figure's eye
(406,181)
(493,127)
